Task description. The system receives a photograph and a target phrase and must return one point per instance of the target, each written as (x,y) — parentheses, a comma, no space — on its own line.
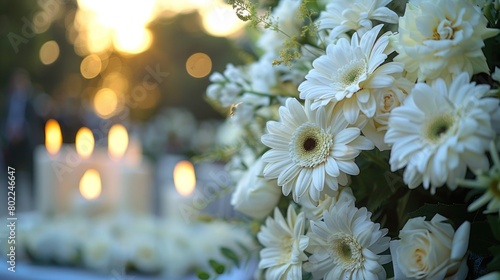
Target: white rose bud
(256,196)
(430,250)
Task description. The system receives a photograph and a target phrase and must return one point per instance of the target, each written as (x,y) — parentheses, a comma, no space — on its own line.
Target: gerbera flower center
(350,75)
(351,72)
(438,127)
(286,253)
(346,251)
(494,188)
(310,145)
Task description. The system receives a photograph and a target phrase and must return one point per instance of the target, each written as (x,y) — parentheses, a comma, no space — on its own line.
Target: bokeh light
(114,23)
(220,20)
(53,136)
(117,141)
(199,65)
(49,52)
(91,66)
(105,102)
(84,142)
(90,184)
(123,24)
(117,82)
(132,41)
(184,177)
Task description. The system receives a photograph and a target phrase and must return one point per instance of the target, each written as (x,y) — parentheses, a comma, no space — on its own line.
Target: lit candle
(84,142)
(117,142)
(52,164)
(177,202)
(88,199)
(131,184)
(90,185)
(112,164)
(136,184)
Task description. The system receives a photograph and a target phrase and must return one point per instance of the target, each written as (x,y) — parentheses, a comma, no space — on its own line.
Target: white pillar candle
(135,189)
(177,193)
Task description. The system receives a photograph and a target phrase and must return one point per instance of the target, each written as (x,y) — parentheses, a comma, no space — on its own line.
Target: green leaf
(389,269)
(456,213)
(495,225)
(201,274)
(217,267)
(306,275)
(483,238)
(230,254)
(495,262)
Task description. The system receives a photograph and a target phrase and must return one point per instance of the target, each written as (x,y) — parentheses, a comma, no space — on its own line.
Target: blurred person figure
(20,127)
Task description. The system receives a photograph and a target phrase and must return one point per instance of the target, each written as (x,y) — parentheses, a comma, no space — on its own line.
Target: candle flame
(117,141)
(53,136)
(184,178)
(84,142)
(90,184)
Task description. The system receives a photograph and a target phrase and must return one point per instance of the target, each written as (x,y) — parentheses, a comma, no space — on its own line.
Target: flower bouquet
(365,140)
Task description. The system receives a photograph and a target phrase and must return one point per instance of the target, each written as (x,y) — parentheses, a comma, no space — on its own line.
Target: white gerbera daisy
(347,244)
(342,16)
(315,212)
(311,149)
(350,71)
(284,243)
(440,130)
(442,38)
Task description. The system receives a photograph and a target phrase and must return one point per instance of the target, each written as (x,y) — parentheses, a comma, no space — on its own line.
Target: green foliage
(289,52)
(247,11)
(201,274)
(306,275)
(456,213)
(494,264)
(308,11)
(379,190)
(483,238)
(231,255)
(492,15)
(494,222)
(217,267)
(291,49)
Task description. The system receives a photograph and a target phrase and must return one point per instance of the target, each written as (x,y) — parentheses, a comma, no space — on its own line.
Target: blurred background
(145,64)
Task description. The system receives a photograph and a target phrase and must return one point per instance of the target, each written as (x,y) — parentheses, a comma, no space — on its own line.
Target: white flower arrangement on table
(378,121)
(141,245)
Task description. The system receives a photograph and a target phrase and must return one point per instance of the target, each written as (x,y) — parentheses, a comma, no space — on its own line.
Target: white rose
(430,250)
(176,248)
(256,196)
(145,254)
(98,251)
